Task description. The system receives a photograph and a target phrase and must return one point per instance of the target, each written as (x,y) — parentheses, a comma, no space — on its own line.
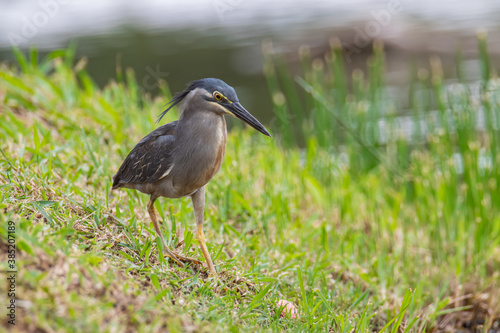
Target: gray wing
(150,159)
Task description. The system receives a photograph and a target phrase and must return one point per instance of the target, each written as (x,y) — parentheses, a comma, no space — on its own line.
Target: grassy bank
(360,236)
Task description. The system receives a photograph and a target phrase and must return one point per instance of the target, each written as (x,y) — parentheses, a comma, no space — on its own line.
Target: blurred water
(56,20)
(185,40)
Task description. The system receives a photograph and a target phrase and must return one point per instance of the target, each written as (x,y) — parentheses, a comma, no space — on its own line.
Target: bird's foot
(180,259)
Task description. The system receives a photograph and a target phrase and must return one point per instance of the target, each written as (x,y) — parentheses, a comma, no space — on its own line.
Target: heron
(178,159)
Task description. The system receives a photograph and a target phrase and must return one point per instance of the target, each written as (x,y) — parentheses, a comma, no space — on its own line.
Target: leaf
(325,301)
(45,203)
(302,290)
(25,246)
(36,139)
(256,300)
(16,83)
(44,213)
(410,325)
(155,281)
(404,305)
(161,294)
(21,59)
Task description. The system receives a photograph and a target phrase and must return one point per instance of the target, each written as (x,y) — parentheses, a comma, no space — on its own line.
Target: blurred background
(180,41)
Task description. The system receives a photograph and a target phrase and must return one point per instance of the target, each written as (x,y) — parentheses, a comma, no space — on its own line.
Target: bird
(179,158)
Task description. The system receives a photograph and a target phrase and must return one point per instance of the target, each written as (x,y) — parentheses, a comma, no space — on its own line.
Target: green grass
(361,237)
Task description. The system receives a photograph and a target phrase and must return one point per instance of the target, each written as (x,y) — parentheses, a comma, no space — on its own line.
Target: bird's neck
(202,124)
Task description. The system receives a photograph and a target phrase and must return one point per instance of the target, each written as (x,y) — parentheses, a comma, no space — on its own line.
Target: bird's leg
(177,258)
(152,215)
(198,199)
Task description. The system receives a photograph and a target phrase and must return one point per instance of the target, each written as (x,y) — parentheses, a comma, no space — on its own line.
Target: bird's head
(221,97)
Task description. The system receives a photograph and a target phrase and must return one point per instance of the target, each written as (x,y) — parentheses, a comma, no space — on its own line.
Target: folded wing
(150,160)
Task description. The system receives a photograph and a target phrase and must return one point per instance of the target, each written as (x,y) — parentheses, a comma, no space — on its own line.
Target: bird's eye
(217,95)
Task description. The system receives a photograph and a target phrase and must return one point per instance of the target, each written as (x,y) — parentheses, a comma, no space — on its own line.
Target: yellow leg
(198,199)
(203,246)
(177,258)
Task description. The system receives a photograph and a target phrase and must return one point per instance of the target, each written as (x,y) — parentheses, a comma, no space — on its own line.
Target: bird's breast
(201,156)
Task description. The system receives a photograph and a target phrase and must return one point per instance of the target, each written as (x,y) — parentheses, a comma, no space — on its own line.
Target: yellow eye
(217,95)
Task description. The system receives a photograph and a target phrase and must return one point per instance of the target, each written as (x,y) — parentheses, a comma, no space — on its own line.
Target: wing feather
(150,160)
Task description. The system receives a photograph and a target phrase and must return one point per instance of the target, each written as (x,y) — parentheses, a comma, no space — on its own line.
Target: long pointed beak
(240,112)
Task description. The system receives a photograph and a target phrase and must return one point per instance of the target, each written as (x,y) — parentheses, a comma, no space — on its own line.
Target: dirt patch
(63,278)
(475,313)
